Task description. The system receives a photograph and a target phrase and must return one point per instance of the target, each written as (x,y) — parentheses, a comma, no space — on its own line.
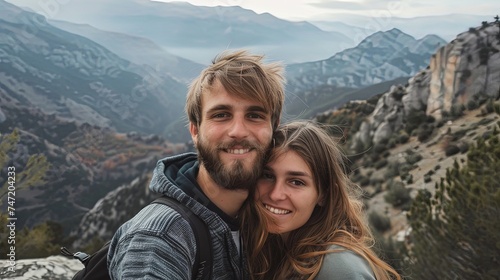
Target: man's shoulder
(159,236)
(157,218)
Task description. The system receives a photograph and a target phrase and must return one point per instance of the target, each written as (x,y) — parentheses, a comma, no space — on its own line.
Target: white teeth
(238,151)
(276,210)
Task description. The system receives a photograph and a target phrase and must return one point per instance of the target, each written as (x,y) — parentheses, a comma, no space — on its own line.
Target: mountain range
(138,50)
(432,111)
(104,104)
(378,59)
(358,27)
(78,79)
(199,33)
(116,75)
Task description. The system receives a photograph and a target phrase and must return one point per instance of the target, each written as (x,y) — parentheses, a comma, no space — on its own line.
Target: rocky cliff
(109,213)
(460,75)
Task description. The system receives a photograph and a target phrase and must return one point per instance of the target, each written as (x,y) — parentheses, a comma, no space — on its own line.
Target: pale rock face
(417,92)
(467,67)
(53,268)
(108,214)
(465,70)
(390,116)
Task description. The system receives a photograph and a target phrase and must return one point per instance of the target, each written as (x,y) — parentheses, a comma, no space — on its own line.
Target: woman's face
(288,192)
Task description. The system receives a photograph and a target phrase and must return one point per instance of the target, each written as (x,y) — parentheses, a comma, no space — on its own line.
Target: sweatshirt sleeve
(345,265)
(156,246)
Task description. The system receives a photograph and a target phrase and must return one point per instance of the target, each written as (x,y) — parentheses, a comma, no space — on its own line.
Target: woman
(307,222)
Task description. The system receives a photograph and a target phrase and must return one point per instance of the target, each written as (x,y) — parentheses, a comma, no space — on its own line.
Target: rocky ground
(433,154)
(51,268)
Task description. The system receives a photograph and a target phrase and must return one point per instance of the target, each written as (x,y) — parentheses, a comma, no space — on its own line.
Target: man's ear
(193,129)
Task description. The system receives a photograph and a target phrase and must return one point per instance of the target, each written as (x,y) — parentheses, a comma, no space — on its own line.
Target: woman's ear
(321,201)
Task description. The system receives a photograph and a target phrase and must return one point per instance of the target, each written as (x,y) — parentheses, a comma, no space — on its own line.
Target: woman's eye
(267,176)
(297,183)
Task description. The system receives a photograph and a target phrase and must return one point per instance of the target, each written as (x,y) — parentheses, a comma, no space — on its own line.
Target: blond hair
(246,76)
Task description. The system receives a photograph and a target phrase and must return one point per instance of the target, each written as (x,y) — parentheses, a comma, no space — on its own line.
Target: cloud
(351,5)
(408,8)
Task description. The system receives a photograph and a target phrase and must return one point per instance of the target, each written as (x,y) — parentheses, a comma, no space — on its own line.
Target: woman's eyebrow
(299,173)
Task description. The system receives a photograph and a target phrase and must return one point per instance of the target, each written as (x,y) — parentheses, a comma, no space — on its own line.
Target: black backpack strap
(96,265)
(203,262)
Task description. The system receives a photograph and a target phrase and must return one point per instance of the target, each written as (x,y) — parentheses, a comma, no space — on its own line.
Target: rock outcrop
(460,75)
(466,69)
(51,268)
(109,212)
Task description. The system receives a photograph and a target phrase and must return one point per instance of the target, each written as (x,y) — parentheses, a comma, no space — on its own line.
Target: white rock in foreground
(53,268)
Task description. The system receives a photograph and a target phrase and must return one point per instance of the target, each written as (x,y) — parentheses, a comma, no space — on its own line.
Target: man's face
(232,138)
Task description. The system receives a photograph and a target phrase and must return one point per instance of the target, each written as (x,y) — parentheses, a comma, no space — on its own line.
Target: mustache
(243,143)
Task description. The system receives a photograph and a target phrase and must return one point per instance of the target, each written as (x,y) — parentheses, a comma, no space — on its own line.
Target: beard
(232,176)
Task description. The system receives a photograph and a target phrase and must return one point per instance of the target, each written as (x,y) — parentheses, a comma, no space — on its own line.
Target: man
(233,108)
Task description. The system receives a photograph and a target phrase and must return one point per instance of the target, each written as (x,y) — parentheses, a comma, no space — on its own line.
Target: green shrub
(381,163)
(424,131)
(392,170)
(413,158)
(365,181)
(397,194)
(471,105)
(379,222)
(403,138)
(427,178)
(451,150)
(455,233)
(379,148)
(463,146)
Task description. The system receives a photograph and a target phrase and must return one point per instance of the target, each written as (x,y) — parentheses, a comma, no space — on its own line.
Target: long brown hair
(339,221)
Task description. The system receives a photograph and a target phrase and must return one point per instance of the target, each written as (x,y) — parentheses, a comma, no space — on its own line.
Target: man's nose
(239,128)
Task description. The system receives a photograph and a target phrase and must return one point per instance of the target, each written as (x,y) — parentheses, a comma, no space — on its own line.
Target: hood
(176,177)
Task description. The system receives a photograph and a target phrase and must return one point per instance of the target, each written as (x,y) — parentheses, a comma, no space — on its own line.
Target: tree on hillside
(455,232)
(29,175)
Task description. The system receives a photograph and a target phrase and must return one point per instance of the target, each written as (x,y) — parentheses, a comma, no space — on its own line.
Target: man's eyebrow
(257,109)
(219,108)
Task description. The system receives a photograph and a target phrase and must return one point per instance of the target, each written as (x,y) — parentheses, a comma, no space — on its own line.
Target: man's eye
(221,115)
(256,116)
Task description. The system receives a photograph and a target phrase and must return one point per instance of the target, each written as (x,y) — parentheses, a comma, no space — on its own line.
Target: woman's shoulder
(344,264)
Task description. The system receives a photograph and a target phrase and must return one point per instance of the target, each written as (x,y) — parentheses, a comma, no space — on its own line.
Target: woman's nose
(278,191)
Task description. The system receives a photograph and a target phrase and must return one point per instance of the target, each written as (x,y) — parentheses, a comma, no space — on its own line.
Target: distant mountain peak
(383,56)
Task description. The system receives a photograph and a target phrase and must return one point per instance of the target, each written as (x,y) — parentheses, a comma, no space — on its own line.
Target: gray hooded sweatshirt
(158,243)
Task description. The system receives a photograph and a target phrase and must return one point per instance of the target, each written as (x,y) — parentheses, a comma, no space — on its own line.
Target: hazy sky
(320,9)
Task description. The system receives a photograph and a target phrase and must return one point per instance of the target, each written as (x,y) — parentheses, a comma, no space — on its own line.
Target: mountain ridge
(74,77)
(199,33)
(138,50)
